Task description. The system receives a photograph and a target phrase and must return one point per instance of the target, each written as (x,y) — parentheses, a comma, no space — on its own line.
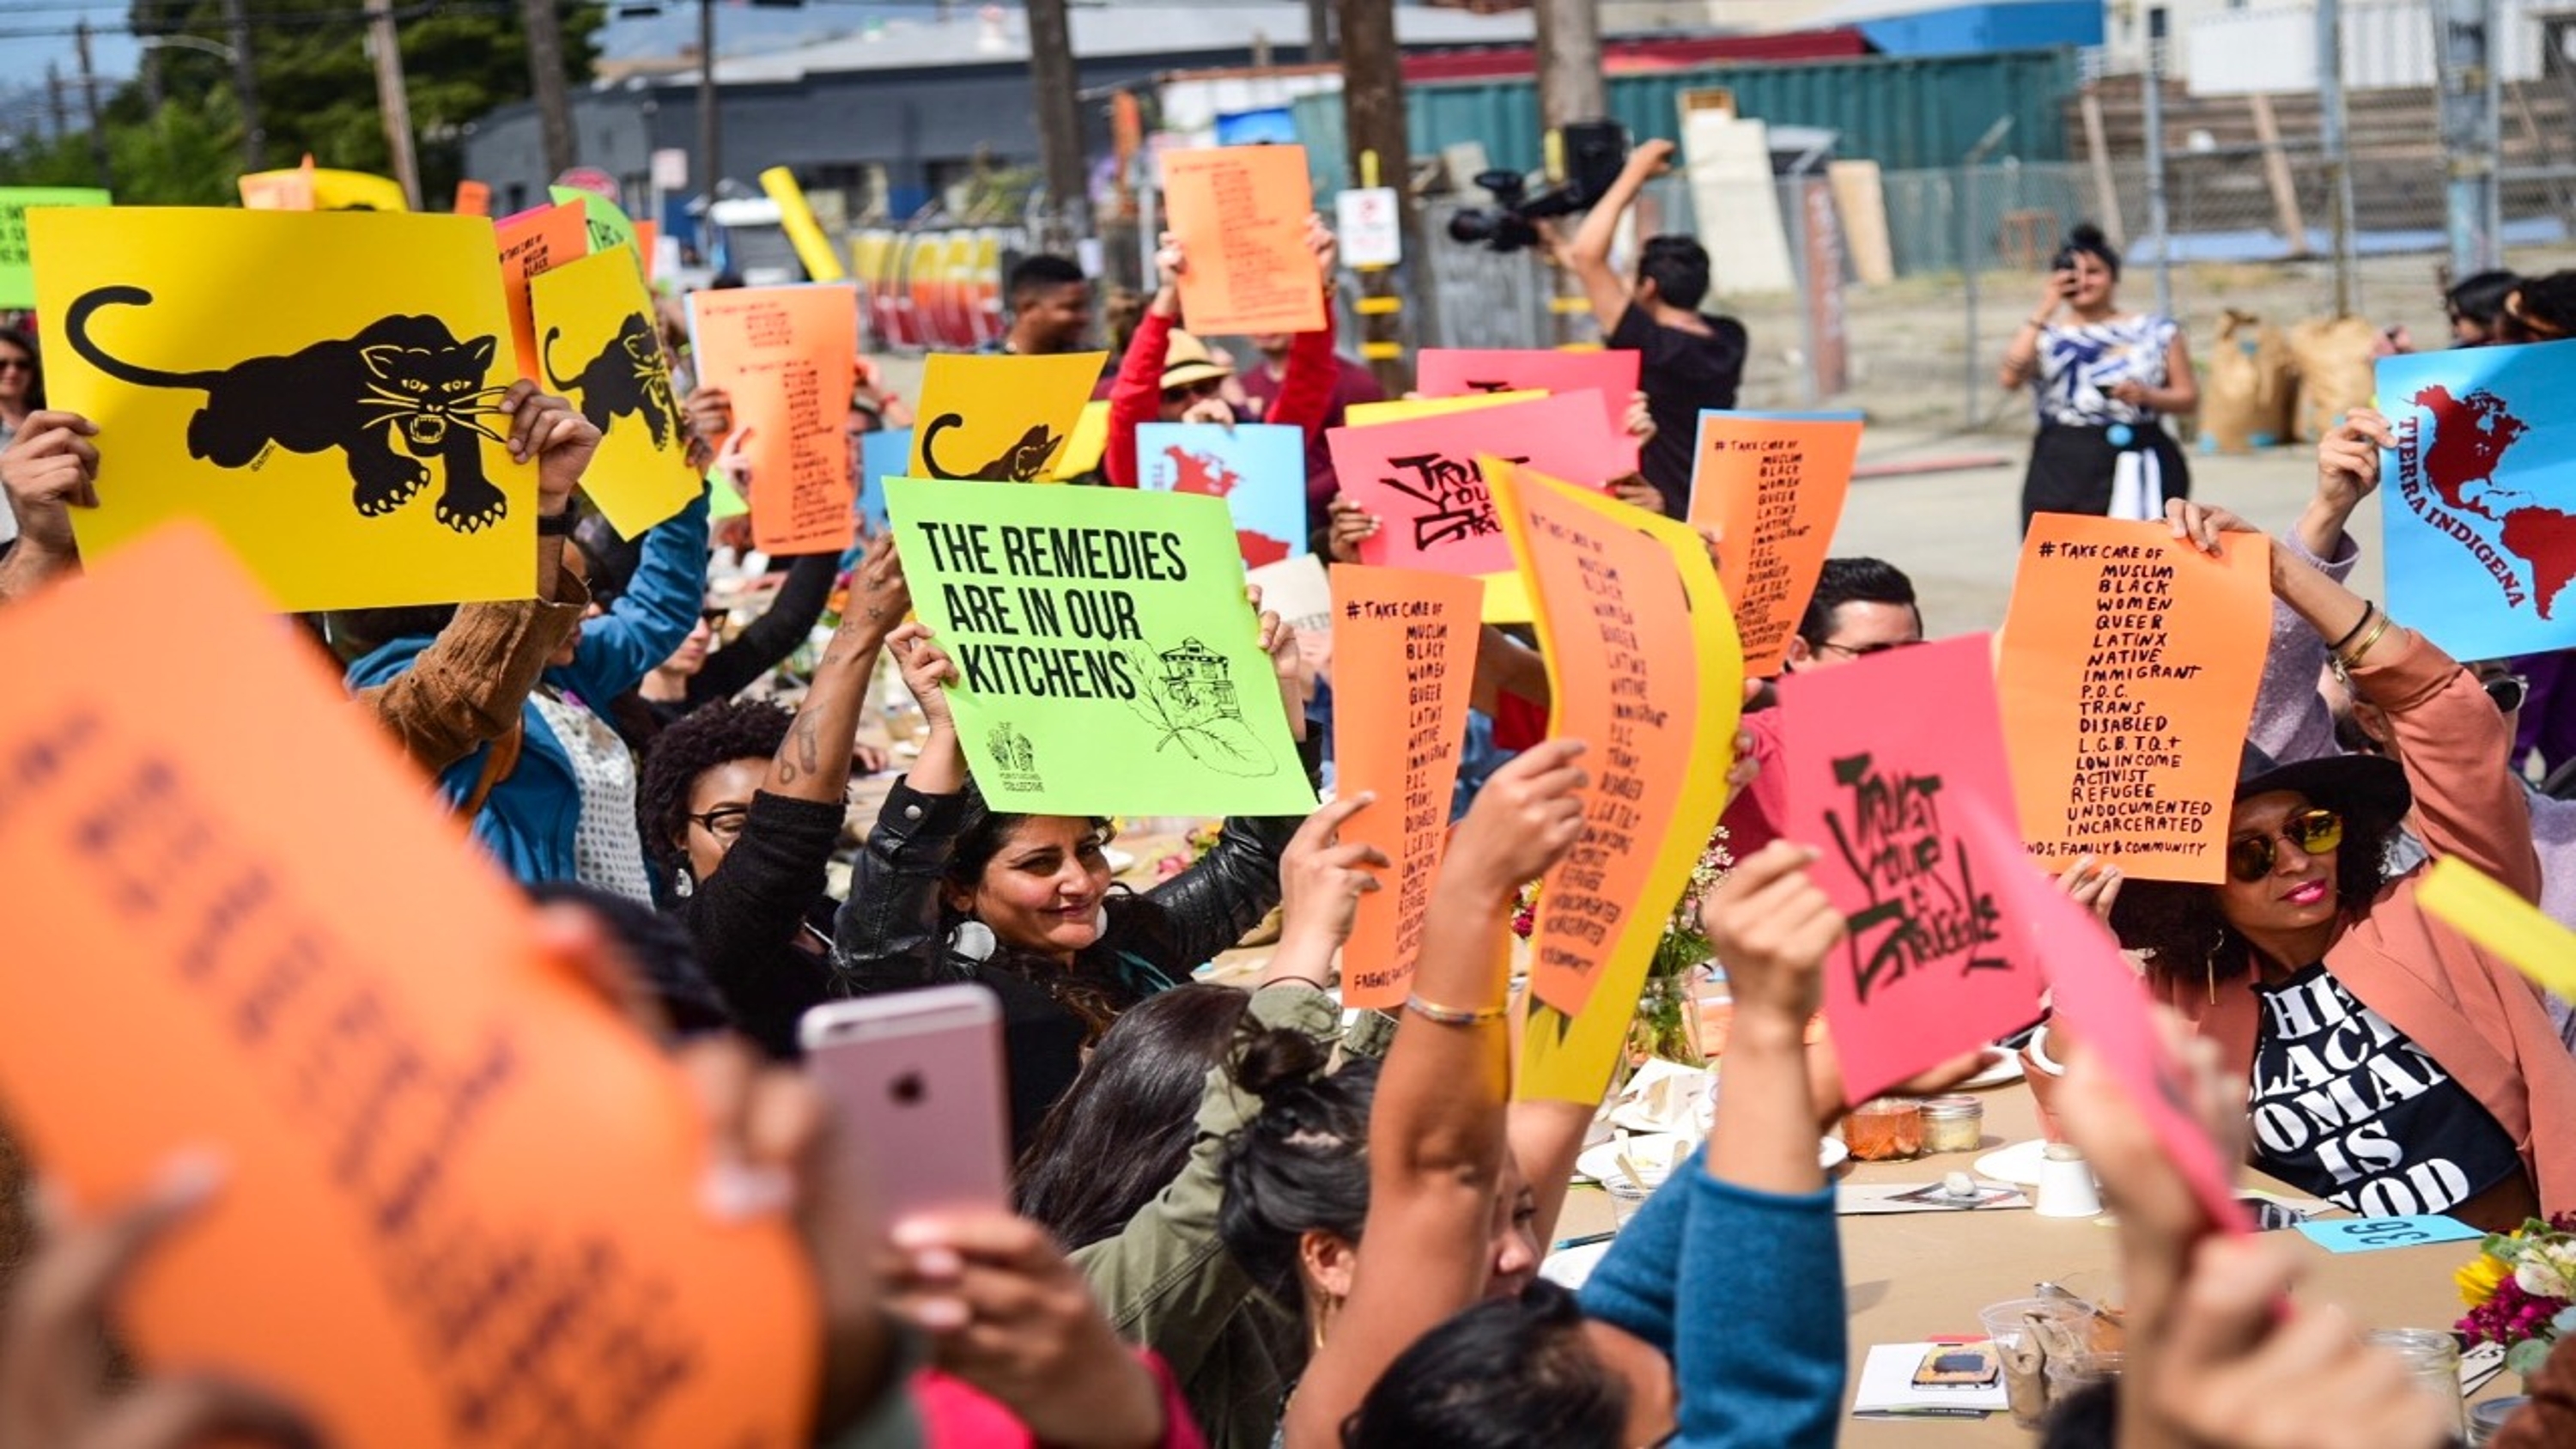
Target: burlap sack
(2334,359)
(2253,380)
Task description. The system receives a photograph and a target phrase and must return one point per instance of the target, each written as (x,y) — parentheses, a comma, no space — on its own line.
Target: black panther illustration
(628,376)
(1023,461)
(402,391)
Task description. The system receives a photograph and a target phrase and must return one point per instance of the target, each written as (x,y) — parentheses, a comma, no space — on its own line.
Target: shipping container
(1906,113)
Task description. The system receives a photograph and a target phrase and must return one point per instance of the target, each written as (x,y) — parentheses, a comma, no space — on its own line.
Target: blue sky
(35,32)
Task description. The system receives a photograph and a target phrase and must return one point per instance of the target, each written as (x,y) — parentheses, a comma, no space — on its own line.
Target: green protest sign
(17,272)
(1107,663)
(609,226)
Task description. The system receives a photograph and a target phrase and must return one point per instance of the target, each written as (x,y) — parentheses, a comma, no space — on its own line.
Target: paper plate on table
(1601,1163)
(1996,1073)
(2017,1164)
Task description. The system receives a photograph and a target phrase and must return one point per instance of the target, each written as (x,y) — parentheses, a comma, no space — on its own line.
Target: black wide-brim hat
(2368,787)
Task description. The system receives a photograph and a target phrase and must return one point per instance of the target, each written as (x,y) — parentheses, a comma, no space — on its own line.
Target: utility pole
(246,87)
(1319,31)
(2464,33)
(546,74)
(2331,136)
(89,104)
(1373,119)
(393,100)
(710,123)
(2159,218)
(1059,118)
(54,93)
(1569,90)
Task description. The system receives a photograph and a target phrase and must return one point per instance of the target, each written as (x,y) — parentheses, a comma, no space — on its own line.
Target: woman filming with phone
(2103,380)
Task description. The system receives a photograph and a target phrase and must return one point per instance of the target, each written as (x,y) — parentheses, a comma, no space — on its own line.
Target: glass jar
(1886,1129)
(2433,1359)
(1953,1124)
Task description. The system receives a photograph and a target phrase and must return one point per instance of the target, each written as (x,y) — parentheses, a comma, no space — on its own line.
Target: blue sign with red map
(2478,497)
(1259,469)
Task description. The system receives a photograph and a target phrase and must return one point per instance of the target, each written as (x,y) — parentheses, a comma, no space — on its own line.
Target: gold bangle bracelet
(2362,650)
(1453,1016)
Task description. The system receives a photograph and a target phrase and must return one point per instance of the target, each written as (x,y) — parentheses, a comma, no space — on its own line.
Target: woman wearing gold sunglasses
(2392,1067)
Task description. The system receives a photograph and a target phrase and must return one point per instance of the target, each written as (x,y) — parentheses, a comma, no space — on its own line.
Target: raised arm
(2291,720)
(2446,731)
(468,686)
(887,933)
(1770,1371)
(769,639)
(814,763)
(49,469)
(1306,388)
(1436,1133)
(1136,398)
(659,608)
(1588,254)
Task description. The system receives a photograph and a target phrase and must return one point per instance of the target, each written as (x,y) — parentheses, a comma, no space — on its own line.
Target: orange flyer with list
(1644,668)
(788,357)
(462,1200)
(2129,665)
(1406,642)
(1773,487)
(1240,213)
(533,242)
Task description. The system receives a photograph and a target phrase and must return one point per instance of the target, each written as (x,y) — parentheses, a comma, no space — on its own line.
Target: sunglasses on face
(2314,832)
(17,364)
(1204,387)
(2507,690)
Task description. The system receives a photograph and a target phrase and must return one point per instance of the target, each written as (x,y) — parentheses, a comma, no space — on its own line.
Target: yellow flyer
(1645,667)
(1405,410)
(597,346)
(322,388)
(999,419)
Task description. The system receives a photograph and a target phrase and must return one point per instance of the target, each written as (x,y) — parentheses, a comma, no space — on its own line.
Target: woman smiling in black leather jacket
(946,890)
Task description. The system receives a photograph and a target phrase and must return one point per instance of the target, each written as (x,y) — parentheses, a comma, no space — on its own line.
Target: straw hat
(1187,360)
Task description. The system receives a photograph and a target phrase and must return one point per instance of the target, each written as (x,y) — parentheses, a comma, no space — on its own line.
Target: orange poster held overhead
(1609,373)
(789,357)
(1644,669)
(473,198)
(2130,661)
(1772,485)
(462,1196)
(533,242)
(1407,645)
(1240,213)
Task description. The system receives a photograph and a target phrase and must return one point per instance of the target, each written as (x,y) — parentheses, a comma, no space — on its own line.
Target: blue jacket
(529,819)
(1743,1291)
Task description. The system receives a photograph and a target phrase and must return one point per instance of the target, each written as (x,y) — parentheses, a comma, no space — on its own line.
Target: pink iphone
(915,1082)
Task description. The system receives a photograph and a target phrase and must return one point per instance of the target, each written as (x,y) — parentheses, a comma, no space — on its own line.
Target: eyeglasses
(1863,651)
(723,822)
(2509,691)
(1204,387)
(2314,832)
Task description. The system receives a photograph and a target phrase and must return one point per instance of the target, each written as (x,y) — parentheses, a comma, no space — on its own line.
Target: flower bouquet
(1664,1026)
(2521,1291)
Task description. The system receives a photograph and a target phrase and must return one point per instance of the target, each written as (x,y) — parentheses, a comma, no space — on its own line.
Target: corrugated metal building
(1903,112)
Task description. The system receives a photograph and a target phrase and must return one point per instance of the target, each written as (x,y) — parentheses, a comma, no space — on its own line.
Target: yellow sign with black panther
(323,388)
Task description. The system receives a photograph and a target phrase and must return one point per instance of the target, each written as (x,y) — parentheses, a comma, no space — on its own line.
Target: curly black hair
(2184,936)
(719,734)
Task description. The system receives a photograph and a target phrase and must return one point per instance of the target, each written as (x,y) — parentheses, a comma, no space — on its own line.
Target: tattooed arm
(814,762)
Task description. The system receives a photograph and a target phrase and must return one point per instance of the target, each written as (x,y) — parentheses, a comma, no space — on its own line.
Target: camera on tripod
(1594,153)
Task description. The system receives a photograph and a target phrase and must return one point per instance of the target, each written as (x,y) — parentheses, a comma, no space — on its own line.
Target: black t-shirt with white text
(1680,373)
(2347,1107)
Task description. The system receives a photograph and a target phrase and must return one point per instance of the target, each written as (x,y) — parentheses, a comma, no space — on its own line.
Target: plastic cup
(2024,1332)
(1625,1199)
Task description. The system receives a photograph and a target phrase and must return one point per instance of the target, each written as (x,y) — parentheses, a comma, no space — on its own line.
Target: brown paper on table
(462,1202)
(1240,213)
(2129,664)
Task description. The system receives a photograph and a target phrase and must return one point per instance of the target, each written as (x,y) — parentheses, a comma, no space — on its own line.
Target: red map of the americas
(2470,437)
(1202,473)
